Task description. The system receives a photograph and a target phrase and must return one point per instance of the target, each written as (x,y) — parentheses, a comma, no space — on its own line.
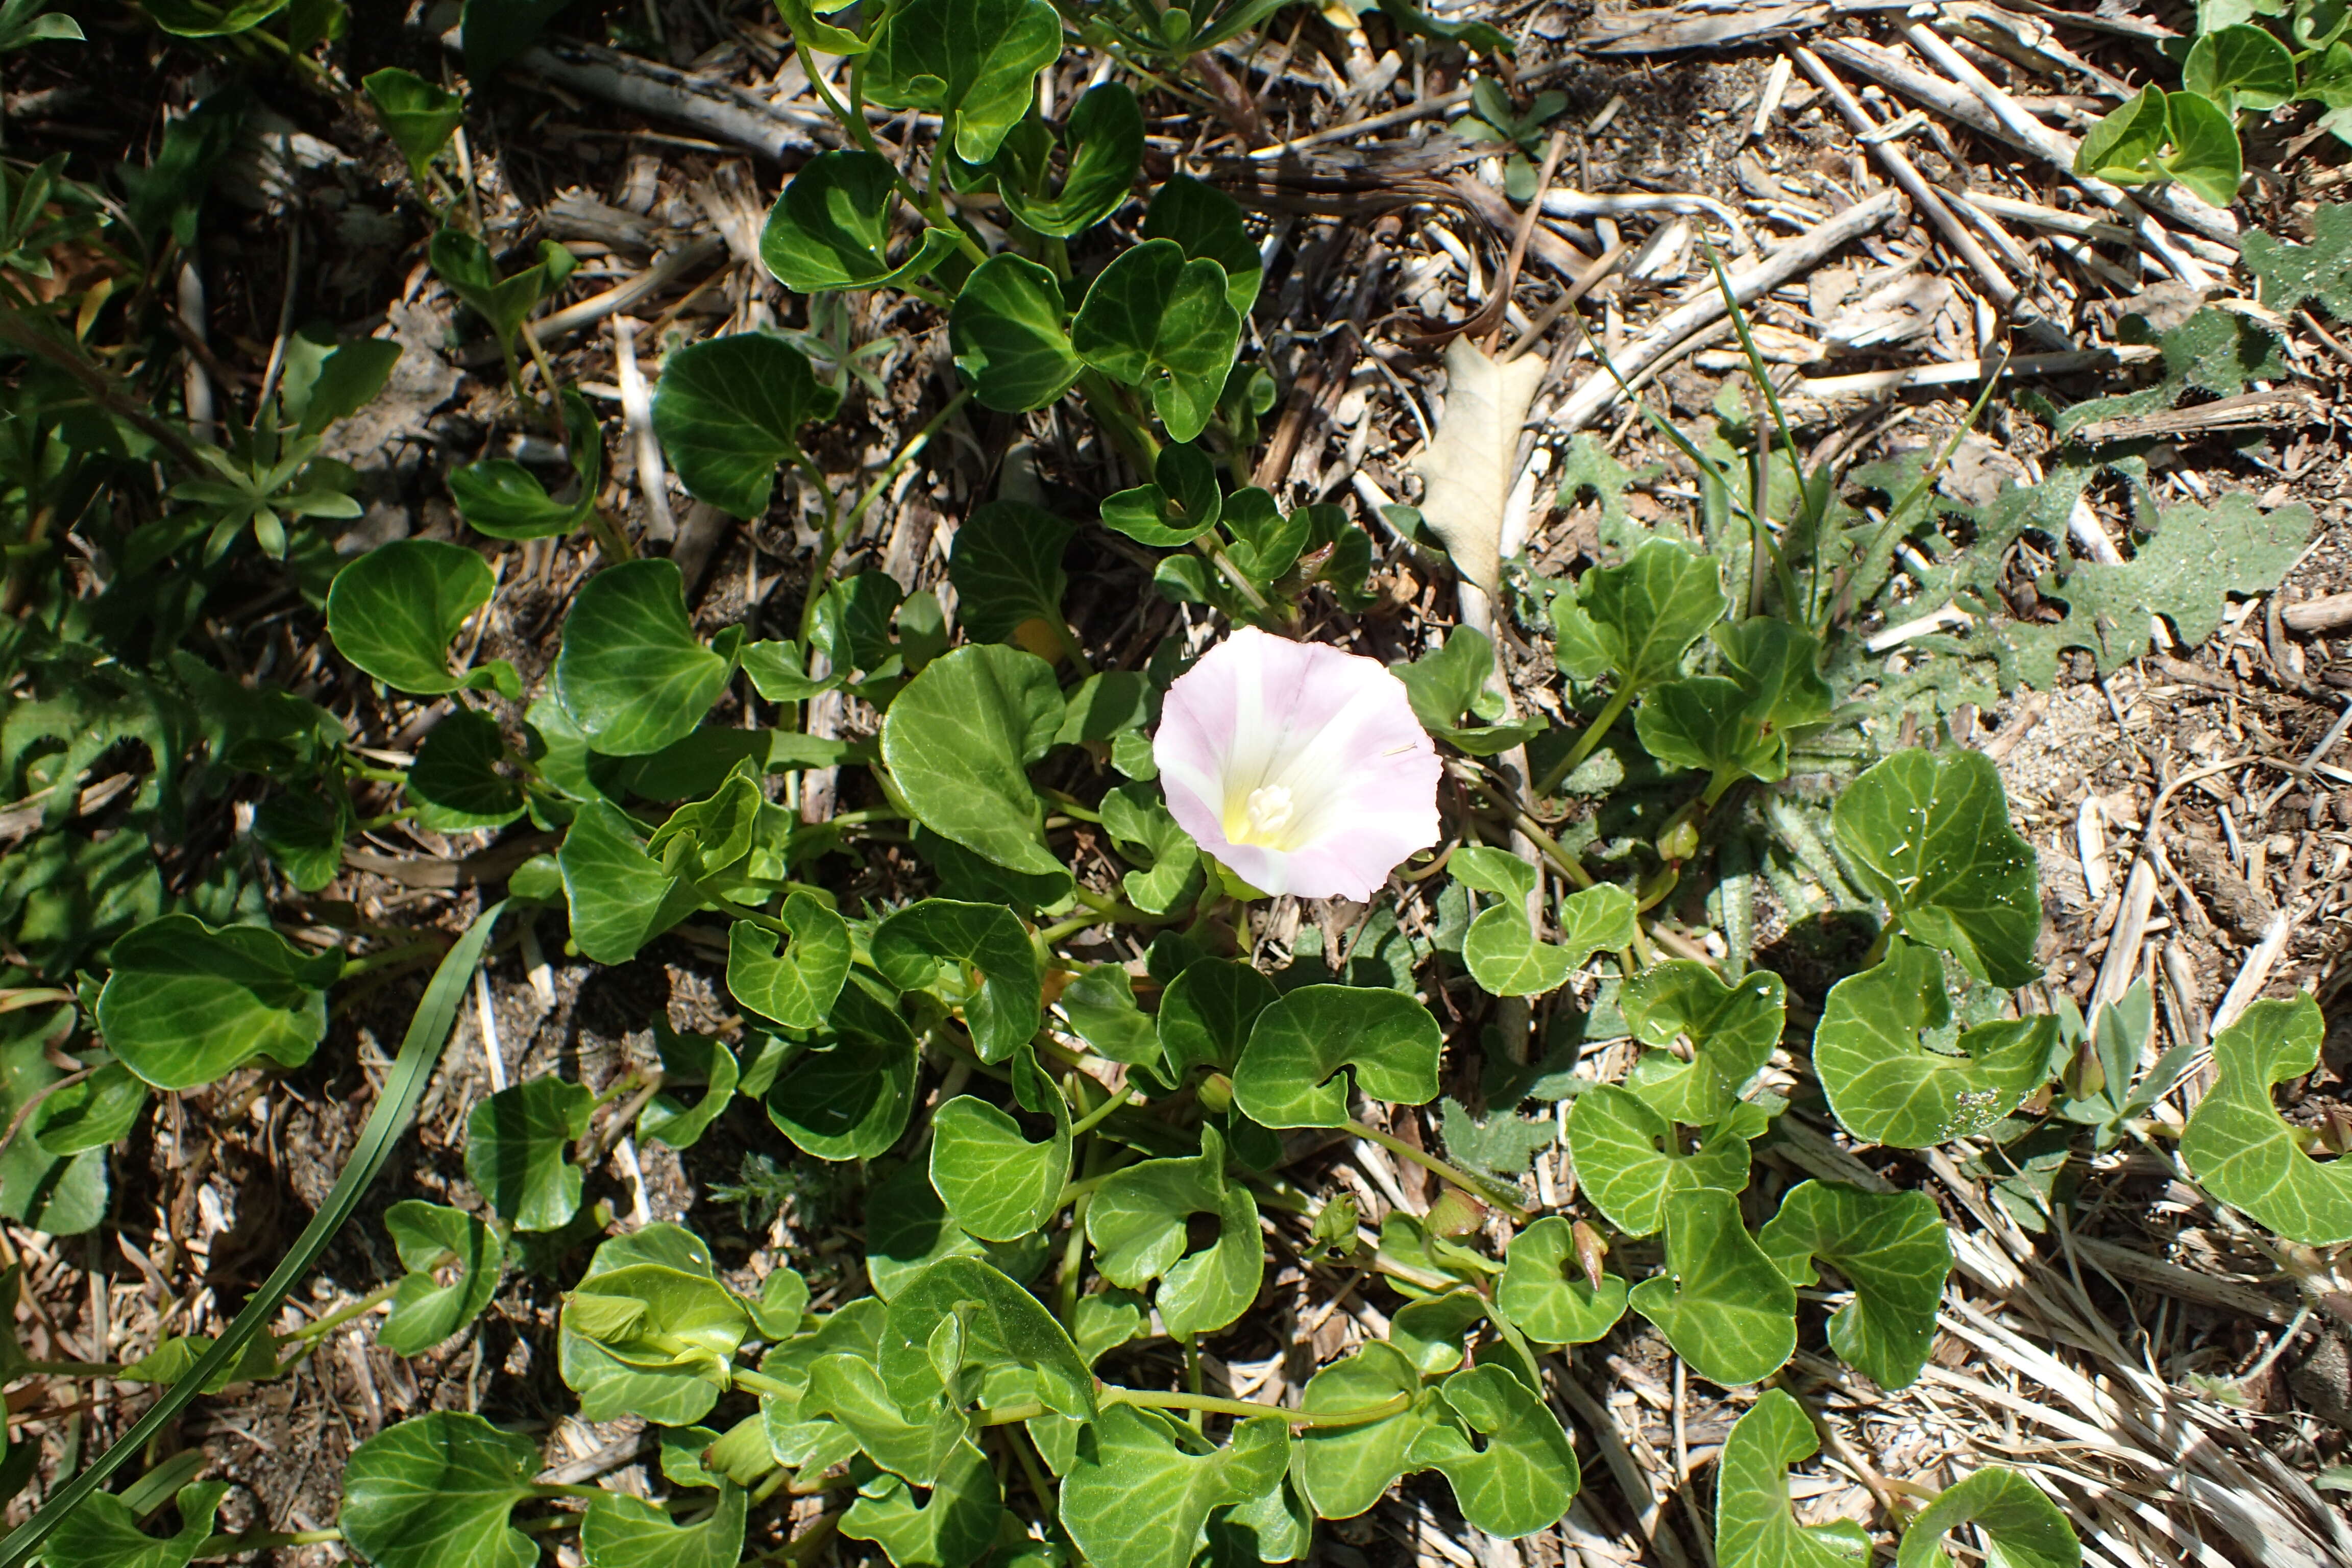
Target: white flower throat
(1266,817)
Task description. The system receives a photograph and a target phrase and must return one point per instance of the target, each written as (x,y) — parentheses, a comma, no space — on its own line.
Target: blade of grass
(1763,537)
(403,1088)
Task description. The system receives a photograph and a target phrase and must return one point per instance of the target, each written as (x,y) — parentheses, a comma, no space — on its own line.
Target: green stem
(821,563)
(342,1315)
(1155,1399)
(1594,732)
(761,1383)
(915,443)
(1094,1119)
(1107,403)
(1484,1190)
(264,1540)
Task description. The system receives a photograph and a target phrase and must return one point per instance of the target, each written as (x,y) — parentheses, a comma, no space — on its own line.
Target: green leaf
(1210,225)
(2239,67)
(686,1059)
(2205,154)
(831,228)
(800,16)
(949,1528)
(1889,1087)
(1104,707)
(1099,1002)
(1504,1146)
(458,782)
(1141,1223)
(1006,330)
(1739,726)
(1512,1469)
(997,1185)
(1006,566)
(2244,1152)
(847,1389)
(650,1330)
(1104,135)
(2288,274)
(2024,1527)
(958,740)
(1754,1527)
(941,943)
(429,1237)
(847,1096)
(974,62)
(1182,504)
(908,1229)
(208,19)
(779,672)
(1640,617)
(496,31)
(503,499)
(1344,1470)
(1287,1072)
(1207,1013)
(177,1358)
(623,1531)
(631,671)
(1458,678)
(621,898)
(1501,949)
(436,1491)
(517,1147)
(186,1003)
(1731,1028)
(1930,835)
(2122,147)
(728,410)
(1721,1302)
(1481,38)
(346,382)
(1625,1154)
(1891,1248)
(1137,1496)
(97,1112)
(1544,1290)
(104,1532)
(419,116)
(395,611)
(1005,1330)
(467,266)
(1154,320)
(795,984)
(1141,830)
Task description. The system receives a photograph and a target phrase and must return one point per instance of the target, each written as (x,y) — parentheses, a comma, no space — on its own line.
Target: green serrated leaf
(1544,1290)
(1754,1527)
(436,1491)
(1887,1087)
(1630,1164)
(1288,1073)
(730,409)
(1504,1146)
(185,1003)
(1892,1247)
(1930,835)
(2289,274)
(2244,1151)
(518,1148)
(429,1237)
(1721,1303)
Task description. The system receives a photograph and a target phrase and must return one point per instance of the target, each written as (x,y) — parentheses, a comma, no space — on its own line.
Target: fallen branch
(2325,613)
(1599,390)
(1958,373)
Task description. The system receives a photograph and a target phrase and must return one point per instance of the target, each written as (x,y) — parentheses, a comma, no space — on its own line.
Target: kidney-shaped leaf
(949,1528)
(1518,1473)
(2025,1529)
(650,1330)
(1141,1223)
(2244,1151)
(1887,1087)
(430,1237)
(1006,330)
(420,116)
(688,1059)
(1754,1527)
(1731,1028)
(1211,227)
(1345,1470)
(830,229)
(1630,1164)
(102,1531)
(1721,1303)
(794,983)
(974,62)
(998,1184)
(185,1003)
(1891,1247)
(1007,569)
(1004,1326)
(1106,140)
(1930,835)
(394,611)
(728,410)
(847,1095)
(1154,320)
(958,740)
(1545,1292)
(631,671)
(1208,1011)
(517,1150)
(1139,1491)
(941,940)
(1182,504)
(1288,1073)
(459,782)
(623,1531)
(503,499)
(435,1491)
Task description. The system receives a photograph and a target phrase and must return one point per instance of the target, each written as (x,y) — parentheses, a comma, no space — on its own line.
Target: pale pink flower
(1300,767)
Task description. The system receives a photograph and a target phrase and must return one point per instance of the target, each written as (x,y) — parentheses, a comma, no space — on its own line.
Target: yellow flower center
(1263,817)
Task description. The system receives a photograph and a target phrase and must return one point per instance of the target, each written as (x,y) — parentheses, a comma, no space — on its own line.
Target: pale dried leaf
(1466,469)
